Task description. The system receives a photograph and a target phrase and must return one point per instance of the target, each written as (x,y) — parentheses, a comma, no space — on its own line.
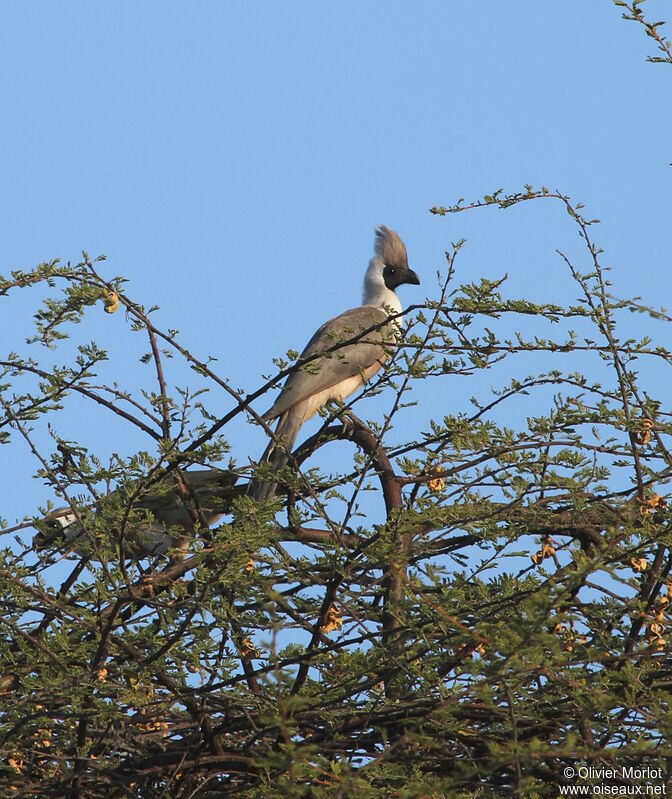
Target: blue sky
(232,159)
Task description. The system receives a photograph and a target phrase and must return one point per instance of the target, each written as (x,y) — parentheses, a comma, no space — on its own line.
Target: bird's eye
(392,270)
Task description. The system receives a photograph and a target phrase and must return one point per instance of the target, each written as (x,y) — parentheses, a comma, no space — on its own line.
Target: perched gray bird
(174,513)
(339,373)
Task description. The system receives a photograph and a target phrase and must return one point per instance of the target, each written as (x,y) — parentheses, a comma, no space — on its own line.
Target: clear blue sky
(232,159)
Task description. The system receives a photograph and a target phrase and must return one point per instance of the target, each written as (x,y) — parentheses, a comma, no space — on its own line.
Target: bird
(343,369)
(175,508)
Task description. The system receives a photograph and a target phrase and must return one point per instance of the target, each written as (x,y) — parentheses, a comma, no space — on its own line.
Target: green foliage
(501,615)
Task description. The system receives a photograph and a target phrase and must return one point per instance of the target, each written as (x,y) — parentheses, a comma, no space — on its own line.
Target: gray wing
(347,361)
(206,489)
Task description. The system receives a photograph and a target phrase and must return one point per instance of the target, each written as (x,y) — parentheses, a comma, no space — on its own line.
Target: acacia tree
(466,611)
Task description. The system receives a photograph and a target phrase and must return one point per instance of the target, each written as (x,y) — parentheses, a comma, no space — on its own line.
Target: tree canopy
(466,605)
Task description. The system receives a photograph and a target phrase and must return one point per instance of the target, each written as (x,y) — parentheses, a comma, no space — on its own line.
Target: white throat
(376,292)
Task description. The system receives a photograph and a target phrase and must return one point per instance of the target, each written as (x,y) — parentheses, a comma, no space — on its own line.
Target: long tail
(277,452)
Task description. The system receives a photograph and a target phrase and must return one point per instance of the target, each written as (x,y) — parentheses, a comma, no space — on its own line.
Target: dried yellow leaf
(647,426)
(547,550)
(110,301)
(437,484)
(334,621)
(248,649)
(652,504)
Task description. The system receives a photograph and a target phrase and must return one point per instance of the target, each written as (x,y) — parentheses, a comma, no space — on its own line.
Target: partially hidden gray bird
(343,369)
(174,515)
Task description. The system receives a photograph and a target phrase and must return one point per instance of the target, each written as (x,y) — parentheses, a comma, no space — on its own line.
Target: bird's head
(387,270)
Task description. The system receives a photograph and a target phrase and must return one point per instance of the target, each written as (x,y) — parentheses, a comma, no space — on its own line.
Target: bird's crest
(390,247)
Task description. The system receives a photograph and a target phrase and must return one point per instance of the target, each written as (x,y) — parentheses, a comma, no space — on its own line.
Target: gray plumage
(341,370)
(174,517)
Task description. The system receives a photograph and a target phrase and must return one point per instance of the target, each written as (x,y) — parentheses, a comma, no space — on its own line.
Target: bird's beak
(412,278)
